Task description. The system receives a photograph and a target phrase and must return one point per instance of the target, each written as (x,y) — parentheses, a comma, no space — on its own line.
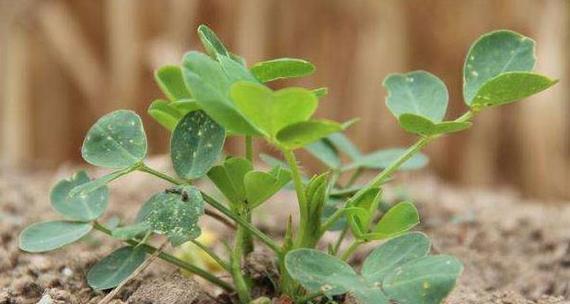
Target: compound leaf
(175,213)
(495,53)
(169,79)
(395,252)
(305,132)
(425,280)
(47,236)
(114,268)
(260,186)
(229,178)
(282,68)
(417,92)
(509,87)
(117,140)
(79,207)
(195,145)
(272,111)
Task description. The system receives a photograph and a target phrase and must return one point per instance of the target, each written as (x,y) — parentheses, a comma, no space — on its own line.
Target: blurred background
(64,63)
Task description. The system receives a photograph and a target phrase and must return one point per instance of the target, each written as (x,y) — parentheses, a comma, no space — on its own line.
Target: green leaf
(131,231)
(426,280)
(229,178)
(417,92)
(321,92)
(395,252)
(282,68)
(328,210)
(83,208)
(47,236)
(272,111)
(260,186)
(399,219)
(302,133)
(175,213)
(212,44)
(93,185)
(493,54)
(164,113)
(209,86)
(171,82)
(196,144)
(383,158)
(324,151)
(234,70)
(114,268)
(510,87)
(117,140)
(185,106)
(420,125)
(320,272)
(358,218)
(345,145)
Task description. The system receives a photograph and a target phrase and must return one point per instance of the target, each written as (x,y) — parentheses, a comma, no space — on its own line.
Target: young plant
(215,95)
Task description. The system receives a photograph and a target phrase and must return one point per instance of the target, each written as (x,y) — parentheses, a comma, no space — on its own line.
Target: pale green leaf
(229,178)
(399,219)
(170,81)
(47,236)
(163,112)
(383,158)
(282,68)
(302,133)
(420,125)
(117,140)
(212,44)
(345,145)
(85,207)
(114,268)
(260,186)
(324,151)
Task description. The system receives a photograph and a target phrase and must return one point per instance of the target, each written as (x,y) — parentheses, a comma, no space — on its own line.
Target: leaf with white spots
(493,54)
(175,213)
(79,207)
(115,268)
(416,92)
(117,140)
(196,144)
(427,280)
(47,236)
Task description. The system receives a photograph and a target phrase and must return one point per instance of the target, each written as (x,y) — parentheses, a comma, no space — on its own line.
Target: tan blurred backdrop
(66,62)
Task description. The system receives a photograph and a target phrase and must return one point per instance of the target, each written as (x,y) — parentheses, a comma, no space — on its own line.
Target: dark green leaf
(282,68)
(302,133)
(417,92)
(84,207)
(47,236)
(196,144)
(170,81)
(117,140)
(114,268)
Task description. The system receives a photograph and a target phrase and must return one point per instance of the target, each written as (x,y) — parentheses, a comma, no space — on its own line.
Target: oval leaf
(302,133)
(114,268)
(510,87)
(417,92)
(46,236)
(79,207)
(400,218)
(175,213)
(171,82)
(260,186)
(196,144)
(229,178)
(131,231)
(117,140)
(426,280)
(282,68)
(395,252)
(492,54)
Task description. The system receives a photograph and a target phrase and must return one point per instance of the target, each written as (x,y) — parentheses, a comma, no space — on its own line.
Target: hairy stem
(247,242)
(301,198)
(172,260)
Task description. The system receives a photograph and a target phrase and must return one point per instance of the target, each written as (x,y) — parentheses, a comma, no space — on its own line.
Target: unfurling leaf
(212,44)
(417,92)
(79,207)
(260,186)
(117,140)
(114,268)
(302,133)
(196,144)
(229,178)
(399,219)
(169,79)
(282,68)
(272,111)
(47,236)
(175,213)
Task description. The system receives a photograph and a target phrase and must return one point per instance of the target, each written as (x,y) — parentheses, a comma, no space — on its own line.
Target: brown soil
(514,251)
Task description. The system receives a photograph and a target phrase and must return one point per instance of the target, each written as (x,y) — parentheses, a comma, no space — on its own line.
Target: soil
(515,251)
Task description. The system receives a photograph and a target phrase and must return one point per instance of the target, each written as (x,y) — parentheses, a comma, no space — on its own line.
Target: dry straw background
(63,63)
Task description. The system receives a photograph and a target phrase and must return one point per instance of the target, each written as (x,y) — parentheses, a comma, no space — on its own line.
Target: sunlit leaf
(170,81)
(282,68)
(302,133)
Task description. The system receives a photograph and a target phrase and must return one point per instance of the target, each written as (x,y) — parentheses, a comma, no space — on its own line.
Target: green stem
(301,198)
(213,255)
(339,240)
(354,177)
(355,244)
(238,277)
(247,242)
(172,260)
(217,205)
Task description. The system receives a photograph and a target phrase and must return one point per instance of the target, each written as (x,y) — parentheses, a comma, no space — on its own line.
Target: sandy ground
(514,251)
